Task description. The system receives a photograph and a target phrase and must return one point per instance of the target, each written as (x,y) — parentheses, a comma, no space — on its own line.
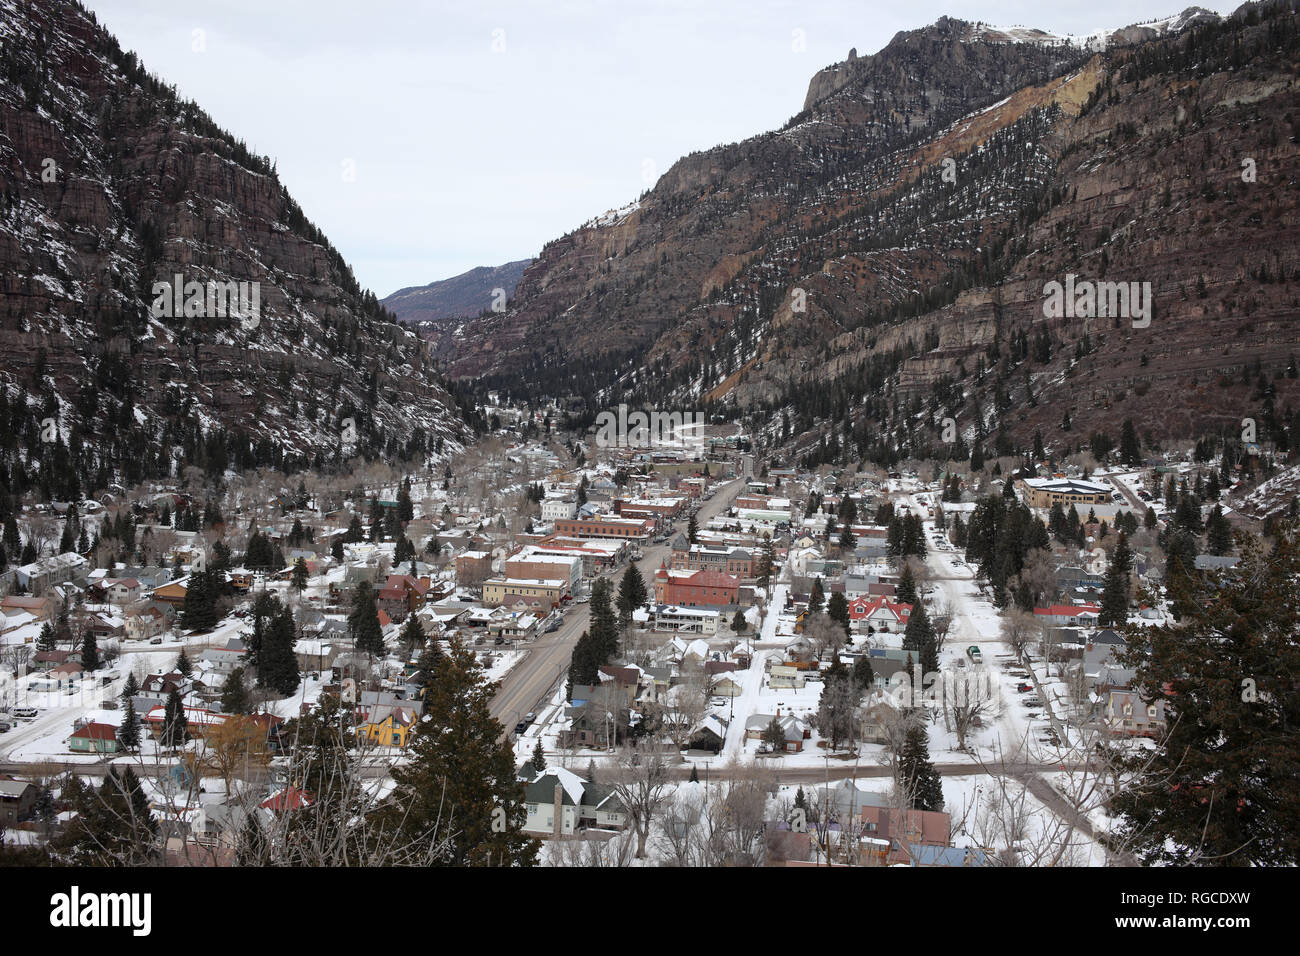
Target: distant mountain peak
(459,297)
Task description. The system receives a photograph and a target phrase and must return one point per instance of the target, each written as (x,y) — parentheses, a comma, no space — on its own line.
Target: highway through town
(529,683)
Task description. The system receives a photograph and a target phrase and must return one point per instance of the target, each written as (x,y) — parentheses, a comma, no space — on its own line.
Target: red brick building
(626,529)
(711,589)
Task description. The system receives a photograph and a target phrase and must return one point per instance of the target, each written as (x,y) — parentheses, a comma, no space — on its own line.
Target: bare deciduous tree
(1019,628)
(640,781)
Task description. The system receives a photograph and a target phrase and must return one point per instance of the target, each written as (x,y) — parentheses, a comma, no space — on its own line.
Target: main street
(530,682)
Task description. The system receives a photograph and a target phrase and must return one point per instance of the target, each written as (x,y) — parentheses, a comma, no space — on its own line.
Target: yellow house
(393,731)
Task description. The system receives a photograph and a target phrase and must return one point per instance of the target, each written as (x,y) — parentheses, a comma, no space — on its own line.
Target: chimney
(559,808)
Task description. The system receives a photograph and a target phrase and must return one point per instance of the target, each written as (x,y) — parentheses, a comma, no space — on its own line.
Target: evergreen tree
(412,635)
(848,540)
(175,731)
(1218,533)
(695,774)
(45,641)
(837,609)
(298,579)
(234,693)
(277,664)
(584,664)
(918,636)
(128,733)
(1130,449)
(460,783)
(363,622)
(538,762)
(692,530)
(863,673)
(1114,594)
(183,665)
(774,735)
(113,825)
(817,599)
(1222,787)
(916,773)
(738,622)
(265,607)
(130,687)
(905,591)
(766,562)
(603,625)
(90,661)
(199,612)
(631,594)
(1180,568)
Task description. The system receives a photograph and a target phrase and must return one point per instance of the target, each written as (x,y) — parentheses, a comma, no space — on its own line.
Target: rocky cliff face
(113,184)
(895,239)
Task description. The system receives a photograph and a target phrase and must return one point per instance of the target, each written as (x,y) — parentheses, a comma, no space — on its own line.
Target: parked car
(973,652)
(530,716)
(521,727)
(25,713)
(499,640)
(4,726)
(156,640)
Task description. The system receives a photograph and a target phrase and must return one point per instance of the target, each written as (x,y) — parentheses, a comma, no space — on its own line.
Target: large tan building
(505,590)
(1045,492)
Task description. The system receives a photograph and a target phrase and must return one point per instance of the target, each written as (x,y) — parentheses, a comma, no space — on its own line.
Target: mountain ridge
(113,184)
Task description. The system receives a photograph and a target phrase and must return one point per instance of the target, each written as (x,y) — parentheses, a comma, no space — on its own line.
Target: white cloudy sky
(466,155)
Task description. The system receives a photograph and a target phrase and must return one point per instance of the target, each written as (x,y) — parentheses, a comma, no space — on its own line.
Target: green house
(94,738)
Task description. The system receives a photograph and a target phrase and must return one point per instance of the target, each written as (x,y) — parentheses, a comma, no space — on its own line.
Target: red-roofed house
(291,798)
(94,738)
(880,614)
(197,720)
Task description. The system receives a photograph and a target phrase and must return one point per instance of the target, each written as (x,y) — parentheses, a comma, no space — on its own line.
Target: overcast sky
(427,138)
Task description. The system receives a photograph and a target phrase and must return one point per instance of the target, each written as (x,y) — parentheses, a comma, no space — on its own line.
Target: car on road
(973,652)
(553,626)
(25,713)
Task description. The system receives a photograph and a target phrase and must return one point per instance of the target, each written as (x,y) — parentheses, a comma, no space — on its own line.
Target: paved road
(837,770)
(529,683)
